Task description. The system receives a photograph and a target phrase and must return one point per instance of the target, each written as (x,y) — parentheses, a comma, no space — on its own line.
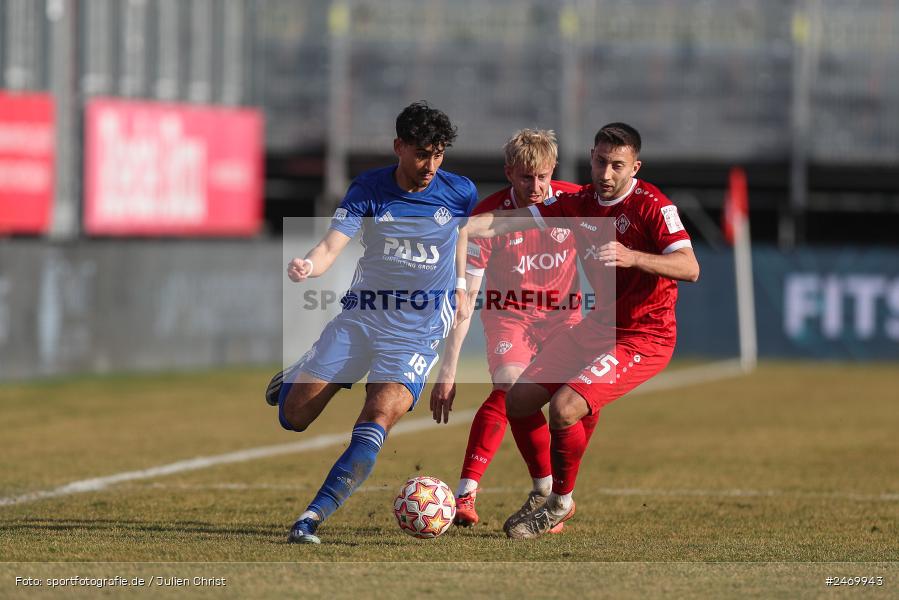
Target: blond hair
(532,149)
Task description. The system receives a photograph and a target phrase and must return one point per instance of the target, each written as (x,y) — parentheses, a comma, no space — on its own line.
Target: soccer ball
(425,507)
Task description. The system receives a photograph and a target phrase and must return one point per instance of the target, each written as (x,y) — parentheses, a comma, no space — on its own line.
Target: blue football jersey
(405,281)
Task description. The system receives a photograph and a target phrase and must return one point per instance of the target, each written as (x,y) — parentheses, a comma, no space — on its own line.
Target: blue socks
(351,469)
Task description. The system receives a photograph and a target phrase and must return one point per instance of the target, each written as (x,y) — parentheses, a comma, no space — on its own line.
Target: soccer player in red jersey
(532,293)
(613,351)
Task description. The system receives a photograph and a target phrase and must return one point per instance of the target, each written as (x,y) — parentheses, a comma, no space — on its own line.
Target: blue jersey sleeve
(472,199)
(356,204)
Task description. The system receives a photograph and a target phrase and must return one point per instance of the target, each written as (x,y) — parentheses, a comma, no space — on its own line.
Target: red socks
(590,422)
(567,449)
(532,437)
(486,435)
(557,452)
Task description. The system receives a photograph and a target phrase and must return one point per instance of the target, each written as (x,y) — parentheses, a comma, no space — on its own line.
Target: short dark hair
(424,126)
(617,135)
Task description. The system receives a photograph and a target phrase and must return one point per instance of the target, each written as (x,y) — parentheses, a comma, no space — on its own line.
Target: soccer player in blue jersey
(405,296)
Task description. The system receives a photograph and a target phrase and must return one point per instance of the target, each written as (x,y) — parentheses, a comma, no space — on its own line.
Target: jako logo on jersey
(340,214)
(588,226)
(442,216)
(403,249)
(559,234)
(622,223)
(537,262)
(502,347)
(516,241)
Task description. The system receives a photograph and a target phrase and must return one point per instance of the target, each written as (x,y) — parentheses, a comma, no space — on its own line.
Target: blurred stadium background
(151,149)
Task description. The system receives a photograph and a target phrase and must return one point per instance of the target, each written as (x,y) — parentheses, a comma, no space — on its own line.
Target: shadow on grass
(150,527)
(275,534)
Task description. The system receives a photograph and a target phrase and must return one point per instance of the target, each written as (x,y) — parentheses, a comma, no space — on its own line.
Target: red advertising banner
(26,162)
(172,169)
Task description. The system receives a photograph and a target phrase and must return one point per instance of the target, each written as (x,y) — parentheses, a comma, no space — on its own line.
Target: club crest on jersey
(442,216)
(622,223)
(502,347)
(350,300)
(559,234)
(340,214)
(592,252)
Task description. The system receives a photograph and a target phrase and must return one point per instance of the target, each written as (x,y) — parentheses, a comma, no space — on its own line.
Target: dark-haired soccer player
(605,355)
(535,274)
(404,298)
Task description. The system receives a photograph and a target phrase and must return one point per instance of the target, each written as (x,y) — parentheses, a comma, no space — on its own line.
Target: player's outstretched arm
(680,264)
(320,258)
(463,308)
(444,391)
(498,222)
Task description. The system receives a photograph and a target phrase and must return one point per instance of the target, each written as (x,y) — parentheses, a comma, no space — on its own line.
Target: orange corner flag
(736,204)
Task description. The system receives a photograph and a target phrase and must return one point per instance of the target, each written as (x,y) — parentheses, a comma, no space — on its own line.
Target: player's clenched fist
(299,269)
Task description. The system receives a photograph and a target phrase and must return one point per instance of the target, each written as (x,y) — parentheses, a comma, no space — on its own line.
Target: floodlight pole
(806,34)
(66,222)
(336,155)
(569,103)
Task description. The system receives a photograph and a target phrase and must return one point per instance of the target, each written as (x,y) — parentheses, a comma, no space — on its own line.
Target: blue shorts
(348,349)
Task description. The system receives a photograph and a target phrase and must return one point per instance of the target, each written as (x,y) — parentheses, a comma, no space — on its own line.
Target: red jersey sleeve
(479,249)
(664,224)
(478,256)
(556,209)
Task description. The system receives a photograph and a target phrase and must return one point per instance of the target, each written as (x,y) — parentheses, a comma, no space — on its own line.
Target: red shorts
(517,340)
(599,363)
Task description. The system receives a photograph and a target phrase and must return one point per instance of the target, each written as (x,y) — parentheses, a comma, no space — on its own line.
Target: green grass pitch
(761,485)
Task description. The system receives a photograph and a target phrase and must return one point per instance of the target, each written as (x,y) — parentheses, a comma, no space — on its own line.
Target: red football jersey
(645,220)
(526,269)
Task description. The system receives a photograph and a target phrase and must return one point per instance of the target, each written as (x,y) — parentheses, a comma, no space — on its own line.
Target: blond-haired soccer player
(629,336)
(531,294)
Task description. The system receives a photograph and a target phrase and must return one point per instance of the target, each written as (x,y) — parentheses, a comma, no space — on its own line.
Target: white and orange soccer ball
(425,507)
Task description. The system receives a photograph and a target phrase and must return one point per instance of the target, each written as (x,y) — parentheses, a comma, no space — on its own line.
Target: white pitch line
(677,378)
(204,462)
(645,492)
